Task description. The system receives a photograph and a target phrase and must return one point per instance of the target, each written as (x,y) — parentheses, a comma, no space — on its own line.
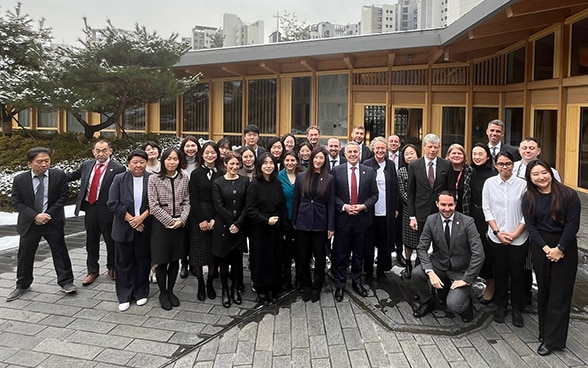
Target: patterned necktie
(93,193)
(40,194)
(447,233)
(353,200)
(431,175)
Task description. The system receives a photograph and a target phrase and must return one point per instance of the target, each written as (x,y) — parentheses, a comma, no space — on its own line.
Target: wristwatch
(495,232)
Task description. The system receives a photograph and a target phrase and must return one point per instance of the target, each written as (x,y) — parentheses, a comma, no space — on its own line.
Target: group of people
(195,208)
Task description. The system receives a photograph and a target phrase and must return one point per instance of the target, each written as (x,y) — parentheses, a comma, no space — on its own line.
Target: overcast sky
(179,16)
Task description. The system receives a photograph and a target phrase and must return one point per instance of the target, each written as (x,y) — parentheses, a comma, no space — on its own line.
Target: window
(300,119)
(579,49)
(544,58)
(47,119)
(167,115)
(546,133)
(262,105)
(333,103)
(24,117)
(513,126)
(453,127)
(583,159)
(408,125)
(134,119)
(195,109)
(480,118)
(72,123)
(515,66)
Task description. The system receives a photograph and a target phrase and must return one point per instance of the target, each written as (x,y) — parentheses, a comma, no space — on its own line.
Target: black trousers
(377,236)
(555,282)
(132,266)
(309,243)
(349,240)
(509,274)
(27,247)
(98,222)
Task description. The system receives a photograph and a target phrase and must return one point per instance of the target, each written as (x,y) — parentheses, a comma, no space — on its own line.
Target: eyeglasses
(504,164)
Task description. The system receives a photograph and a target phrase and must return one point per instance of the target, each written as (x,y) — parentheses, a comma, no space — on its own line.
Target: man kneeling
(454,264)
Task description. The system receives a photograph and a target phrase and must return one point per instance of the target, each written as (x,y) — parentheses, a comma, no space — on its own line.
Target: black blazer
(23,199)
(368,194)
(84,172)
(313,213)
(421,198)
(121,199)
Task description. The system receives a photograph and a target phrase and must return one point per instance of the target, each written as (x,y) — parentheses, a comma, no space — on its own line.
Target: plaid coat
(165,203)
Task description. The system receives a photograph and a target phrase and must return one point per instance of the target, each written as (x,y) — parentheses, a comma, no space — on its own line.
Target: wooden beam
(309,64)
(391,58)
(239,71)
(540,6)
(434,55)
(271,67)
(482,43)
(523,22)
(348,60)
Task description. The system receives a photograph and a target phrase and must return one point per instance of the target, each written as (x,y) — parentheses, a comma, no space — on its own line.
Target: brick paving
(46,328)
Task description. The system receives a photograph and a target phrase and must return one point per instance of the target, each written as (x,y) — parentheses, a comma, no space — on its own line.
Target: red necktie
(353,200)
(93,193)
(431,175)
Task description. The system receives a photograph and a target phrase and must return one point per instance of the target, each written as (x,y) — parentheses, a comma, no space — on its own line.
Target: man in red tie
(356,193)
(96,177)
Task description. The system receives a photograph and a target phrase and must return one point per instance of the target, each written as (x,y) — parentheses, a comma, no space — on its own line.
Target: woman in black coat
(266,210)
(313,216)
(228,236)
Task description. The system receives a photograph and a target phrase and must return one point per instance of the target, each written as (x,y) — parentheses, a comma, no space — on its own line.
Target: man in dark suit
(382,232)
(453,265)
(495,132)
(427,177)
(251,136)
(358,136)
(355,195)
(334,159)
(39,196)
(96,177)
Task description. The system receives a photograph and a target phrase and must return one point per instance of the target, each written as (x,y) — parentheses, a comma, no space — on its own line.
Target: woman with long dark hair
(289,142)
(313,216)
(552,213)
(266,211)
(304,152)
(228,236)
(248,160)
(408,153)
(190,149)
(202,216)
(276,147)
(169,203)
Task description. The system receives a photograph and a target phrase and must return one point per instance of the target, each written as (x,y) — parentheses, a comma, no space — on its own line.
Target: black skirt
(167,245)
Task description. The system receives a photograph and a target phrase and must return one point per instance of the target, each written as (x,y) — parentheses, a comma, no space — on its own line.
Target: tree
(292,28)
(119,70)
(25,52)
(217,39)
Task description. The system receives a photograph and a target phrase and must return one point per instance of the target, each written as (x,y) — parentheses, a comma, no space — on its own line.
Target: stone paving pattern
(46,328)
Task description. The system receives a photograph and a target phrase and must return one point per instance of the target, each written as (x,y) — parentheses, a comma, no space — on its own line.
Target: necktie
(493,152)
(40,194)
(353,200)
(447,233)
(431,175)
(93,193)
(393,157)
(333,162)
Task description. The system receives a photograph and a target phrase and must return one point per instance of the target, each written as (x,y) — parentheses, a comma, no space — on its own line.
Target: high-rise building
(201,37)
(238,33)
(441,13)
(327,29)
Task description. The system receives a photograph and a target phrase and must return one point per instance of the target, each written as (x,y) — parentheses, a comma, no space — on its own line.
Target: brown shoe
(111,273)
(90,278)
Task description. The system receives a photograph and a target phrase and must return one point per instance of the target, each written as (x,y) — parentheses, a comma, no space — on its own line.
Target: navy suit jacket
(84,172)
(313,213)
(121,199)
(367,195)
(421,198)
(464,256)
(23,199)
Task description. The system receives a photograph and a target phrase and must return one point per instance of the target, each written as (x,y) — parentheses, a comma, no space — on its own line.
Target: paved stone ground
(48,329)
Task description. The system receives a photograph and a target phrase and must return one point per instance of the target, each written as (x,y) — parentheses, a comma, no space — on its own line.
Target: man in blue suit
(39,196)
(356,193)
(96,177)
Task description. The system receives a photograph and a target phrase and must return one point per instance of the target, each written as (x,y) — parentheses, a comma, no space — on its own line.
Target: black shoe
(315,295)
(236,296)
(201,294)
(400,260)
(306,293)
(517,318)
(184,271)
(407,273)
(359,289)
(263,298)
(424,308)
(16,293)
(468,314)
(164,301)
(544,350)
(500,315)
(273,296)
(174,301)
(225,297)
(210,292)
(339,295)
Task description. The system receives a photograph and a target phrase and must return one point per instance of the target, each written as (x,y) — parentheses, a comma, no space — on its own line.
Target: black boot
(184,271)
(407,273)
(201,295)
(236,295)
(225,297)
(210,292)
